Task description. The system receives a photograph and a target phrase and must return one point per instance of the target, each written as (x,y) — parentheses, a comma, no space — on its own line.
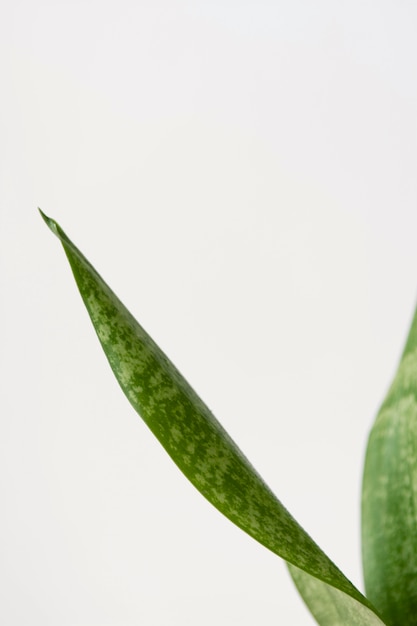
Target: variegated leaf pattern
(199,445)
(389,497)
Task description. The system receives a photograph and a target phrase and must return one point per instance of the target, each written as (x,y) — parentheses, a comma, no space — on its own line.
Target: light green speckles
(220,496)
(125,375)
(176,434)
(199,480)
(100,321)
(104,332)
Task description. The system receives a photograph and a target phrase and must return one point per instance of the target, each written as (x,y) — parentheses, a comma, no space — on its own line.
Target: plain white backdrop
(244,175)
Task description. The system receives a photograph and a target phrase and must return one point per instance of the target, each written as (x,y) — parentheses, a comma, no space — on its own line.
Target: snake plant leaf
(196,441)
(389,497)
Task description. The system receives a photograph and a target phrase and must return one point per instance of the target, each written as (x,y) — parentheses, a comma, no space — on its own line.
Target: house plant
(213,463)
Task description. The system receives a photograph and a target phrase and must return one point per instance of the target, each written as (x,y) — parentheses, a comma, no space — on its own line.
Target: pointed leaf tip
(50,222)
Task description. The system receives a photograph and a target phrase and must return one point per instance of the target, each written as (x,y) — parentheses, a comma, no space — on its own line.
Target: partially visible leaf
(329,605)
(389,497)
(197,442)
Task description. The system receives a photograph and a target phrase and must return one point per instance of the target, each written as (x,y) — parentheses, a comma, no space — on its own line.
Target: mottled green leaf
(389,497)
(197,442)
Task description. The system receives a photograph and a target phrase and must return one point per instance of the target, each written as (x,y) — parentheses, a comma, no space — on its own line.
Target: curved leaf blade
(389,496)
(196,441)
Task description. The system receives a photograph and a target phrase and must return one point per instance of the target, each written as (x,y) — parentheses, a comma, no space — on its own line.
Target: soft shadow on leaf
(329,605)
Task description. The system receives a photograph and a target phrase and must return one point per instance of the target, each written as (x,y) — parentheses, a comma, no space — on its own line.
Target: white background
(244,175)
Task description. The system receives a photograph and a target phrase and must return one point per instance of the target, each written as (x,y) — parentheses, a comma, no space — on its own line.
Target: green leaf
(329,605)
(197,442)
(389,497)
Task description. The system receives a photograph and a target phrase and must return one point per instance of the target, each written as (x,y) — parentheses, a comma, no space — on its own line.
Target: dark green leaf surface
(389,497)
(199,445)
